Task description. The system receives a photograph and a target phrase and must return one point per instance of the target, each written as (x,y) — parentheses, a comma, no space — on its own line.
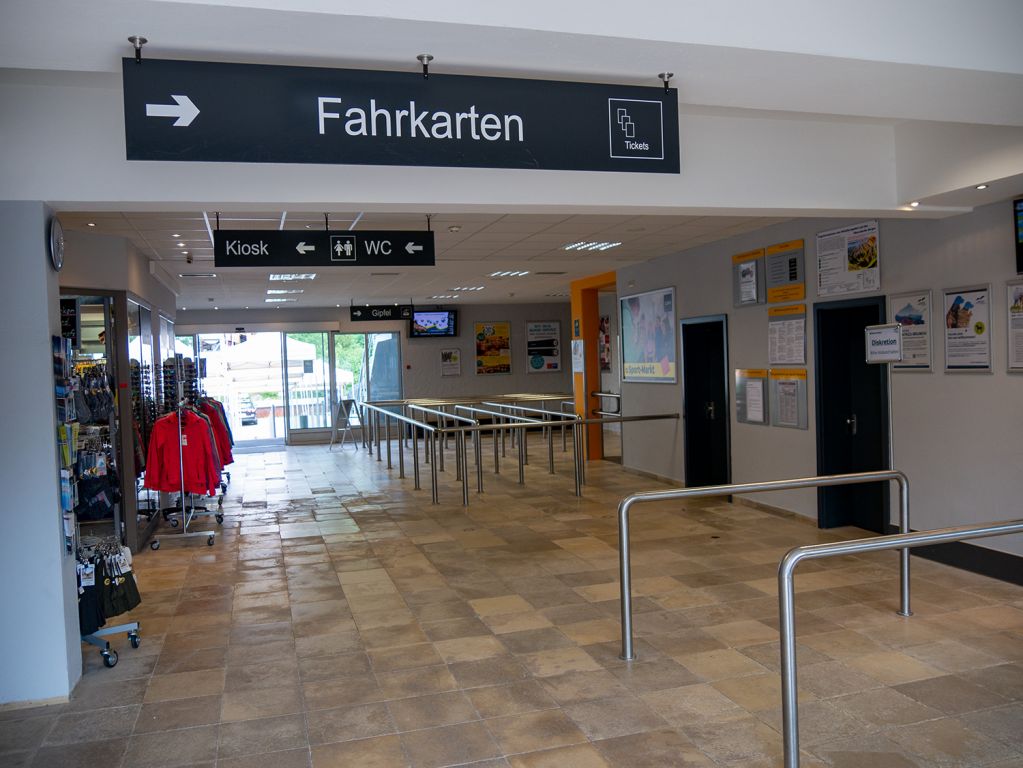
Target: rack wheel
(109,658)
(209,541)
(223,487)
(154,544)
(220,517)
(135,640)
(174,522)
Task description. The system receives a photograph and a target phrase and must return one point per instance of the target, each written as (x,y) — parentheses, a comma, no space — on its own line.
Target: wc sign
(636,129)
(883,343)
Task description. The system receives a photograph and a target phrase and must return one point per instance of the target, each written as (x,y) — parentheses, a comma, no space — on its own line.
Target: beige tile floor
(343,620)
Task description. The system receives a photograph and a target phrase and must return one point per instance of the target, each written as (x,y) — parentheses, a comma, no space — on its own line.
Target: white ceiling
(482,244)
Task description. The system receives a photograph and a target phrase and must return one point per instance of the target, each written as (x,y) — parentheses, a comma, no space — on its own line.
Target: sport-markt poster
(967,314)
(848,259)
(913,312)
(451,362)
(648,337)
(543,347)
(493,348)
(1015,305)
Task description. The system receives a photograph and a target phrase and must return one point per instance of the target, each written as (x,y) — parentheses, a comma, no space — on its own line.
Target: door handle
(710,411)
(852,424)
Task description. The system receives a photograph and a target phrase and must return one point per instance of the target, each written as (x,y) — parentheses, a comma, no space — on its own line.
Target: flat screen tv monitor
(441,322)
(1017,212)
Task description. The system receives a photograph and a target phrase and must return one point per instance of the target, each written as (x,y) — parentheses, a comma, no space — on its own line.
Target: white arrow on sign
(411,248)
(303,249)
(357,313)
(185,111)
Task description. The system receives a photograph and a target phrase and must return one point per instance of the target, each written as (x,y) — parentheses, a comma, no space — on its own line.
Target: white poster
(848,260)
(450,362)
(755,400)
(543,346)
(1015,305)
(913,312)
(786,335)
(967,315)
(788,403)
(748,282)
(578,356)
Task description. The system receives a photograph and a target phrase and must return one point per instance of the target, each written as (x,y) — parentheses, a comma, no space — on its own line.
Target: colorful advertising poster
(648,337)
(493,348)
(543,347)
(786,335)
(913,312)
(746,278)
(848,260)
(604,343)
(967,315)
(450,362)
(1015,304)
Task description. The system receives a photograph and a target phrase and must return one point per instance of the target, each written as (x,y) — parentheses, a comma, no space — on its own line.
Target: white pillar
(40,655)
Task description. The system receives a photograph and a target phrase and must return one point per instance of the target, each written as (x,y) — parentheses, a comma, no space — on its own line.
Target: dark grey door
(705,401)
(852,419)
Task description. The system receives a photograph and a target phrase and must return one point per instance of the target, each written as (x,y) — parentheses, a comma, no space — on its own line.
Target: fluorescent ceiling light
(181,245)
(277,301)
(293,276)
(914,204)
(197,274)
(591,246)
(447,296)
(469,288)
(510,273)
(979,186)
(272,291)
(93,224)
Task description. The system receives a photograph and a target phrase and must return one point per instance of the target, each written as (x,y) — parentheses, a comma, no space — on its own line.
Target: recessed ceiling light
(981,186)
(93,224)
(455,228)
(277,301)
(510,273)
(293,276)
(557,295)
(197,274)
(272,291)
(216,307)
(584,245)
(468,288)
(184,253)
(915,204)
(246,307)
(181,245)
(446,296)
(337,305)
(184,308)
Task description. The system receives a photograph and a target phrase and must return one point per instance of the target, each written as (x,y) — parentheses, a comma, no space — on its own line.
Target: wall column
(40,653)
(586,326)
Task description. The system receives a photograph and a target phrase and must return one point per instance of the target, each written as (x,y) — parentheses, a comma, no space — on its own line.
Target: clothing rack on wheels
(205,462)
(106,588)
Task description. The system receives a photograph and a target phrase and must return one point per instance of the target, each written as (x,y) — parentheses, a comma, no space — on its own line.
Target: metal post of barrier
(376,431)
(415,456)
(434,492)
(575,460)
(787,600)
(401,448)
(822,481)
(497,460)
(387,438)
(550,450)
(522,457)
(460,458)
(477,444)
(442,422)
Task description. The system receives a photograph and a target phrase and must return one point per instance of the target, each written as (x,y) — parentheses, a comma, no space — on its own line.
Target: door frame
(723,319)
(880,302)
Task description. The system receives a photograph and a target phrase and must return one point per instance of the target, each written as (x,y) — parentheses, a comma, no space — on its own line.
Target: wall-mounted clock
(56,244)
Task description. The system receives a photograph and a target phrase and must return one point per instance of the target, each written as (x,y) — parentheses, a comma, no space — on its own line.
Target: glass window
(308,380)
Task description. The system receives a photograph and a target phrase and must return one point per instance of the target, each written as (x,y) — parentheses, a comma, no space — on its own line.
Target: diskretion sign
(194,111)
(883,343)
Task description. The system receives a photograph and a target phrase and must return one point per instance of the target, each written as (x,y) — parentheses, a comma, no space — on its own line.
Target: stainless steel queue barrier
(612,395)
(461,464)
(520,422)
(549,416)
(429,432)
(613,418)
(786,600)
(821,481)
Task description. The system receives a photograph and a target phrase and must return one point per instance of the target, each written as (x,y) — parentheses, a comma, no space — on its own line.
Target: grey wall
(956,435)
(40,658)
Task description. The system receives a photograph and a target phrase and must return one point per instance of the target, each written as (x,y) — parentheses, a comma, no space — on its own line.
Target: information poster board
(913,312)
(450,362)
(789,398)
(848,260)
(967,313)
(786,335)
(882,343)
(578,356)
(748,278)
(786,272)
(69,321)
(1014,302)
(751,396)
(493,348)
(648,337)
(543,346)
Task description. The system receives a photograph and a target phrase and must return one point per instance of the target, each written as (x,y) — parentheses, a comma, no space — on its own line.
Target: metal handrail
(606,394)
(786,599)
(560,415)
(429,433)
(615,418)
(523,419)
(820,481)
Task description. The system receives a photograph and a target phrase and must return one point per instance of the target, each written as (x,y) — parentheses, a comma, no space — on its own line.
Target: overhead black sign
(381,312)
(197,111)
(302,248)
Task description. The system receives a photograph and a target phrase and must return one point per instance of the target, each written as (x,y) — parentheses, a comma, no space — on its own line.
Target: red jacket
(202,475)
(220,435)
